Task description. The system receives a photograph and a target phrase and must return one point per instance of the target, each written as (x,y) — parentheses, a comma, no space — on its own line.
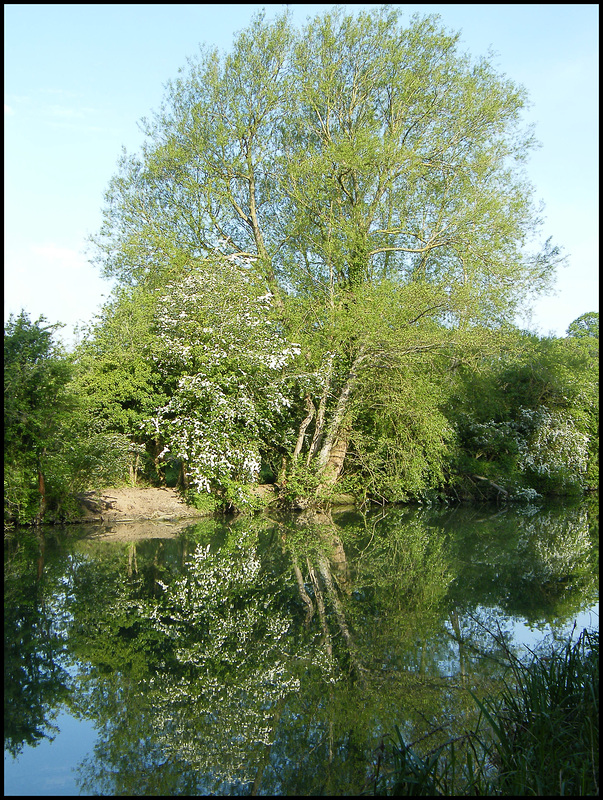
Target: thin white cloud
(65,93)
(55,281)
(64,112)
(13,100)
(64,257)
(56,108)
(82,119)
(69,112)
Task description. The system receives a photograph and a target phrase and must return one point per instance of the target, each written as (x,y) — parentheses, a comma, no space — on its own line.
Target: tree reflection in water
(272,656)
(35,680)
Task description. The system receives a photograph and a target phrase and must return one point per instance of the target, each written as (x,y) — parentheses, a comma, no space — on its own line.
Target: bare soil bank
(138,505)
(132,505)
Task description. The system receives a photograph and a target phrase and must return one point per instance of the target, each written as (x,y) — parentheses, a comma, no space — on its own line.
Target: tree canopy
(369,175)
(54,444)
(586,326)
(351,150)
(319,252)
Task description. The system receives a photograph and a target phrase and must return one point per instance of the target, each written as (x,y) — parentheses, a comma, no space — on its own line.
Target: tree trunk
(302,428)
(133,469)
(456,627)
(321,609)
(332,469)
(41,552)
(325,571)
(157,452)
(42,490)
(320,417)
(333,452)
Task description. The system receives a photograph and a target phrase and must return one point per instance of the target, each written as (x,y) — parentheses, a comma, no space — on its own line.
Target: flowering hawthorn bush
(216,338)
(555,449)
(544,445)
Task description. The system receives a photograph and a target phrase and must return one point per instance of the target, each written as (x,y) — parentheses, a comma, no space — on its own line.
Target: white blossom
(554,447)
(214,330)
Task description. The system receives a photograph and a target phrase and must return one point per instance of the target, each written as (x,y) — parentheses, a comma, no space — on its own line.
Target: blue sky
(78,78)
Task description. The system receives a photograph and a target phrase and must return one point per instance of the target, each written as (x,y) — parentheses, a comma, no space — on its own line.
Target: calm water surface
(273,655)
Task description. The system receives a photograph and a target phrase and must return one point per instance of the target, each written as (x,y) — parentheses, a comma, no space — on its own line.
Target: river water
(274,655)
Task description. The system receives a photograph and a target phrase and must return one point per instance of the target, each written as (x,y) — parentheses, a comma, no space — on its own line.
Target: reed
(538,737)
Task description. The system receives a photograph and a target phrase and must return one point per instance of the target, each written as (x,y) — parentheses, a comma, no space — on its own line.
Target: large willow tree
(371,175)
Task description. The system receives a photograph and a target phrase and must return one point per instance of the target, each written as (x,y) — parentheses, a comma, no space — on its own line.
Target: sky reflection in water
(54,768)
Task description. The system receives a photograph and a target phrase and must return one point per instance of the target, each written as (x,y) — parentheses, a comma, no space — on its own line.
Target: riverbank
(131,504)
(138,504)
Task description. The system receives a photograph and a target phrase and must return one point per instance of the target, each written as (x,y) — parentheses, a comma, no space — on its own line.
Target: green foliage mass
(229,407)
(369,176)
(318,251)
(528,419)
(118,379)
(54,445)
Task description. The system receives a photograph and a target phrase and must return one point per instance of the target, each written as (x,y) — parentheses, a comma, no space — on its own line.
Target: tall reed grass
(538,737)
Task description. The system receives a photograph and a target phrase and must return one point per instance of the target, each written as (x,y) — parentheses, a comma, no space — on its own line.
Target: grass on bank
(539,737)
